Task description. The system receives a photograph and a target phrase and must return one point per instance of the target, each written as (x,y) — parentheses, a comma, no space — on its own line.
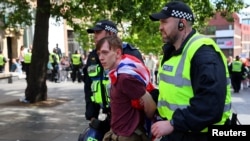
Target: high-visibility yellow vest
(27,57)
(51,60)
(174,80)
(94,72)
(76,59)
(236,66)
(1,60)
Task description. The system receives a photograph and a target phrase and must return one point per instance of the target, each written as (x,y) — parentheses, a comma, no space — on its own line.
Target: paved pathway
(61,118)
(241,104)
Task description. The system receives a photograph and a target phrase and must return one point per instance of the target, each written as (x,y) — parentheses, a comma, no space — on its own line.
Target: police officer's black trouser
(55,72)
(236,81)
(76,73)
(1,69)
(27,70)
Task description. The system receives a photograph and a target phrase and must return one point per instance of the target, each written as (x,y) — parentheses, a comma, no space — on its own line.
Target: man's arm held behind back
(149,105)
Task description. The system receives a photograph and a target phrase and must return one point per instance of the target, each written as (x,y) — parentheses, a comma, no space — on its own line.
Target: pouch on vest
(96,90)
(93,70)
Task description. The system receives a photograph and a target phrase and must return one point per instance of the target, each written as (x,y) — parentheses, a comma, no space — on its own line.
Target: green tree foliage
(131,16)
(81,14)
(15,13)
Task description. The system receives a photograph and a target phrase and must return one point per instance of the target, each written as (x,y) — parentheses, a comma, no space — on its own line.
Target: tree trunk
(36,83)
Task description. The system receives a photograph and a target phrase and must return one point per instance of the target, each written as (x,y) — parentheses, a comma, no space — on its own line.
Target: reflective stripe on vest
(175,84)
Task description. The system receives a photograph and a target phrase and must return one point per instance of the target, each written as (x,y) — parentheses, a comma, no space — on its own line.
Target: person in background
(58,51)
(3,60)
(76,60)
(84,60)
(194,91)
(229,60)
(125,120)
(64,65)
(158,61)
(54,61)
(245,74)
(150,63)
(16,66)
(27,62)
(248,75)
(49,71)
(21,57)
(237,69)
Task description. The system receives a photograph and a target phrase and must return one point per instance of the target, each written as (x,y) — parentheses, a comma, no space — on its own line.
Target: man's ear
(119,51)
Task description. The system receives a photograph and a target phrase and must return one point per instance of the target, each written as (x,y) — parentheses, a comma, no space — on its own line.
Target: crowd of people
(17,64)
(62,68)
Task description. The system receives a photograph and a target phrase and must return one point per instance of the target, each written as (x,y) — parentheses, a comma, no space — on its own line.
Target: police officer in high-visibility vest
(96,79)
(3,60)
(27,61)
(236,69)
(54,61)
(76,66)
(194,90)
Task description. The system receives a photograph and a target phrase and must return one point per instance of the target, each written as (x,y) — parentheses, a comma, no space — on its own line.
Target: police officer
(194,90)
(54,61)
(237,69)
(27,61)
(3,60)
(95,79)
(76,66)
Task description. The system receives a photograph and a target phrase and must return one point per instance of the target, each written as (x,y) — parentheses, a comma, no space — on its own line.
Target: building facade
(232,37)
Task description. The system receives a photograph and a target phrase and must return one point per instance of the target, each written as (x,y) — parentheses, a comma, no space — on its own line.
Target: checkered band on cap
(104,25)
(181,14)
(176,9)
(111,29)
